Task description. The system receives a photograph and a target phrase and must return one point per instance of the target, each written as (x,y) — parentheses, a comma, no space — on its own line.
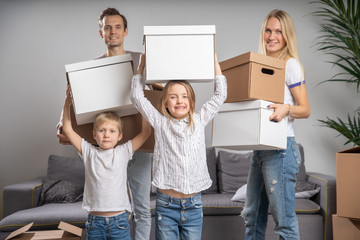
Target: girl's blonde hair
(190,95)
(288,32)
(108,116)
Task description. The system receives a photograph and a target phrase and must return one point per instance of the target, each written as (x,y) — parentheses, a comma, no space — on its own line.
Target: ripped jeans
(176,217)
(271,182)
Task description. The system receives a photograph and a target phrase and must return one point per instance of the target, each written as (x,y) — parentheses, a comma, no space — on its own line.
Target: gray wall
(39,37)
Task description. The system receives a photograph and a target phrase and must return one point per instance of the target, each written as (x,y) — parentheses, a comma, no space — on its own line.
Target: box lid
(62,225)
(245,105)
(351,150)
(177,30)
(252,57)
(98,63)
(19,231)
(70,228)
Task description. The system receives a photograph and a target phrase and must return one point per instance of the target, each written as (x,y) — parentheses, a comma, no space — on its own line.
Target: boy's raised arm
(140,139)
(69,132)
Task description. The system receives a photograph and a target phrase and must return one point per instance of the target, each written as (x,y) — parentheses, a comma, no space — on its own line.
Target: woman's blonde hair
(190,95)
(290,49)
(108,116)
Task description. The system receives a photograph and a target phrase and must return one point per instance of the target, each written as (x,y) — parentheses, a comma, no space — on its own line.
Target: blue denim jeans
(106,228)
(271,182)
(178,217)
(139,177)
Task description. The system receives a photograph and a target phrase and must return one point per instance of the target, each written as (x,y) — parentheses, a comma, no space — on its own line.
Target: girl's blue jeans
(271,182)
(176,218)
(106,228)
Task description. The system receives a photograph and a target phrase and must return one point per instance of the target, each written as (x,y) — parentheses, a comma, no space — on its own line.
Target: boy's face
(107,134)
(178,102)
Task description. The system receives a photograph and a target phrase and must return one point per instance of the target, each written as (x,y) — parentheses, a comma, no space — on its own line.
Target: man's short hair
(111,12)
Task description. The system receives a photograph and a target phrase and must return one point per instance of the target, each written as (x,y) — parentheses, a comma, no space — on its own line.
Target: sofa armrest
(21,196)
(326,198)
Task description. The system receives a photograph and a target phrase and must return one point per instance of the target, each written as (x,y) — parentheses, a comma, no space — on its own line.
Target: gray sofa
(228,171)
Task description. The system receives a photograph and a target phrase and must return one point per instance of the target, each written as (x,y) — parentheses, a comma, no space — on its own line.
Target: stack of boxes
(346,223)
(185,53)
(254,82)
(172,53)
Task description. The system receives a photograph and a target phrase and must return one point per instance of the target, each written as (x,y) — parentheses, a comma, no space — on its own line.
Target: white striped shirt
(180,154)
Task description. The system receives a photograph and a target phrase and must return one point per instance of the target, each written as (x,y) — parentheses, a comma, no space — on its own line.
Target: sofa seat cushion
(306,206)
(213,204)
(46,217)
(220,204)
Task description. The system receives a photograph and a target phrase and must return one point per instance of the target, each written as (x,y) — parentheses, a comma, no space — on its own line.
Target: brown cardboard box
(132,125)
(67,231)
(347,183)
(252,76)
(345,228)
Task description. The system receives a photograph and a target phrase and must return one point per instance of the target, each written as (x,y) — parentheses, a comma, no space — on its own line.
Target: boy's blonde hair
(190,95)
(288,32)
(108,116)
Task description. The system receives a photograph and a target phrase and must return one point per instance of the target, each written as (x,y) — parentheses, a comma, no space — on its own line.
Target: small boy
(105,192)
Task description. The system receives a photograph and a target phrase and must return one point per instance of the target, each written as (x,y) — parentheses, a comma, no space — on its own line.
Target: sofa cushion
(301,176)
(220,204)
(60,191)
(302,190)
(233,169)
(46,217)
(212,167)
(66,168)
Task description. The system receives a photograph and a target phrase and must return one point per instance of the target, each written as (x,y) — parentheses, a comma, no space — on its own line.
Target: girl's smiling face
(178,102)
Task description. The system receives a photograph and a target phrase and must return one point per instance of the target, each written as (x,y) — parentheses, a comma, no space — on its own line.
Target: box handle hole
(267,71)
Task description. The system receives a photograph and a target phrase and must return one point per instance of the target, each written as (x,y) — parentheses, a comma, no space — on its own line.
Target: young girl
(179,166)
(272,176)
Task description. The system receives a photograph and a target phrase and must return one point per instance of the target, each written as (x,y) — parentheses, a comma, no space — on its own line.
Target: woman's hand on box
(280,111)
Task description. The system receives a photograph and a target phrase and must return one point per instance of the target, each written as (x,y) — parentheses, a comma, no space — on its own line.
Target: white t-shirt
(293,78)
(106,177)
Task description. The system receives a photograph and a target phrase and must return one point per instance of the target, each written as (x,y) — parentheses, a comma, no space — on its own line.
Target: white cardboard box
(101,85)
(179,53)
(246,126)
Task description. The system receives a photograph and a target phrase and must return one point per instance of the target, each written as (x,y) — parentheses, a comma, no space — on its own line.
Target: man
(113,29)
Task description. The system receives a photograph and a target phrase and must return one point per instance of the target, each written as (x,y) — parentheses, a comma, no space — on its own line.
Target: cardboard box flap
(70,228)
(351,150)
(245,105)
(98,62)
(67,231)
(19,231)
(252,57)
(179,30)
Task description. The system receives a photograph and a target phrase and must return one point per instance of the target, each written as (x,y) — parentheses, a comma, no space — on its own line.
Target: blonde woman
(272,176)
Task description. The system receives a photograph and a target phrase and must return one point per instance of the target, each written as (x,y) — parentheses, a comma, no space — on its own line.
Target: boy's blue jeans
(178,217)
(104,228)
(271,182)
